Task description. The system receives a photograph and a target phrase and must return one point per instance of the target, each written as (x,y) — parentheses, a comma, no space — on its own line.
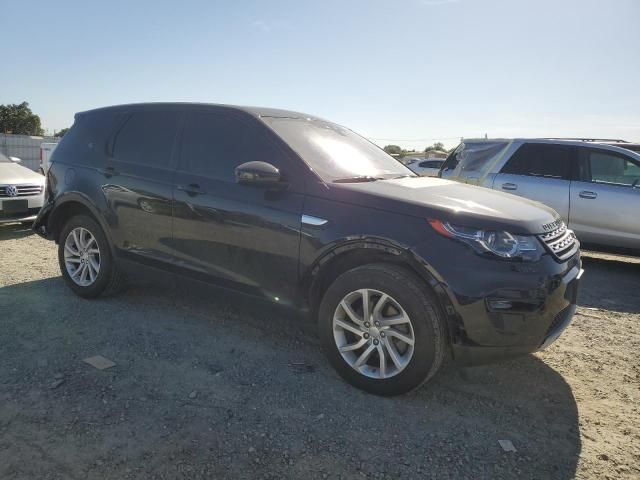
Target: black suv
(399,270)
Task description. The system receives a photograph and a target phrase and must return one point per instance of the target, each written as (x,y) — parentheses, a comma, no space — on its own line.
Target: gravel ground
(216,386)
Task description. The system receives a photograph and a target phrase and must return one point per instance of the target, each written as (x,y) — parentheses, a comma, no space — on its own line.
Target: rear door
(240,236)
(605,199)
(539,172)
(137,183)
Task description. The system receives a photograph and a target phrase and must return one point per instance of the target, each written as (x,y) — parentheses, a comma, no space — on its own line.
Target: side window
(147,138)
(540,160)
(599,166)
(214,144)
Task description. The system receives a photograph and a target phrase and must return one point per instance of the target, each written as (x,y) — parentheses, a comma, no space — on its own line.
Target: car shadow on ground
(607,281)
(13,231)
(232,387)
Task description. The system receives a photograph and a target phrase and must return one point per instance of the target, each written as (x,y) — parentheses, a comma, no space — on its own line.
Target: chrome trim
(561,242)
(313,221)
(22,190)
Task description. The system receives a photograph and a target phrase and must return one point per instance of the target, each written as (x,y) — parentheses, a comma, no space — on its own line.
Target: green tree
(436,146)
(393,149)
(19,120)
(62,132)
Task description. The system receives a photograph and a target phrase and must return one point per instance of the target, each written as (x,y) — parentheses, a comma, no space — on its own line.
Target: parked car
(399,271)
(21,191)
(593,186)
(427,168)
(46,150)
(406,161)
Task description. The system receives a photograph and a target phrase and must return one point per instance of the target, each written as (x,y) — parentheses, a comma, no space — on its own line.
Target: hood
(13,173)
(458,203)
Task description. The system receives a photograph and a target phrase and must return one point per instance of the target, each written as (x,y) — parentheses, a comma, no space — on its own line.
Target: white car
(21,191)
(428,167)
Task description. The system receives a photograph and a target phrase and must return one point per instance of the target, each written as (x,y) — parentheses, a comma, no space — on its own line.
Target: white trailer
(46,150)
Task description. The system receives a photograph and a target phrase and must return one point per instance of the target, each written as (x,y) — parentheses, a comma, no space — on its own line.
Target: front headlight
(491,242)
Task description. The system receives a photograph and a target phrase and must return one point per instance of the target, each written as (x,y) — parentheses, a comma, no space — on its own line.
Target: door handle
(192,189)
(587,194)
(509,186)
(108,171)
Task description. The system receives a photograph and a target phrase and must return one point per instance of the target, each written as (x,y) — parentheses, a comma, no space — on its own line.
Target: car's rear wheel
(85,258)
(381,329)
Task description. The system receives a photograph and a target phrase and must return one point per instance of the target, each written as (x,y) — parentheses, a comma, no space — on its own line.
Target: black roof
(255,111)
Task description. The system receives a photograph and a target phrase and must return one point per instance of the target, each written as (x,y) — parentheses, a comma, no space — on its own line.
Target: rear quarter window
(86,142)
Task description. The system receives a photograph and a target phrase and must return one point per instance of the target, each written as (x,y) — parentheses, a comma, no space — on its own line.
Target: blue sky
(404,71)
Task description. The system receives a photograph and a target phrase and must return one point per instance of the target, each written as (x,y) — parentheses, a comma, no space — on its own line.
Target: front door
(539,172)
(605,199)
(240,236)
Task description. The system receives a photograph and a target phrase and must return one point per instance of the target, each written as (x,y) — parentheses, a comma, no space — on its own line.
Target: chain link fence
(25,147)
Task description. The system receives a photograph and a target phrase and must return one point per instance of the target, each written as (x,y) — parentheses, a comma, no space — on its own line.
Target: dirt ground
(217,386)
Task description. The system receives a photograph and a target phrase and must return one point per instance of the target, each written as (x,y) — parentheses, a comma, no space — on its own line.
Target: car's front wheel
(85,258)
(381,329)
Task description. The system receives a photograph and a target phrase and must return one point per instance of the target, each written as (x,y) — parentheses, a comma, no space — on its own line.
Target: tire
(109,278)
(404,295)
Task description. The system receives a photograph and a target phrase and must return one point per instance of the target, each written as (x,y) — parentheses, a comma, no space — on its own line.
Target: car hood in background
(467,205)
(12,173)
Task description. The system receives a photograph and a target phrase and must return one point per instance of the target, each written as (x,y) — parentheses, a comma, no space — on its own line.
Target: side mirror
(15,159)
(261,174)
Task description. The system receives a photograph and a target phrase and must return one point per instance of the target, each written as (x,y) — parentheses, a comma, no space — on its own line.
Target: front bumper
(499,309)
(28,217)
(29,207)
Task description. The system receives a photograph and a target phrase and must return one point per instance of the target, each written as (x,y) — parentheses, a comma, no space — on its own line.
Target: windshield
(4,159)
(336,153)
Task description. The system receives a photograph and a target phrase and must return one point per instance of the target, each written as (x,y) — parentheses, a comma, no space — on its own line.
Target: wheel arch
(348,254)
(68,205)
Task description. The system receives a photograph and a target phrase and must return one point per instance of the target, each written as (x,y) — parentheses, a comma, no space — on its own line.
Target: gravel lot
(222,387)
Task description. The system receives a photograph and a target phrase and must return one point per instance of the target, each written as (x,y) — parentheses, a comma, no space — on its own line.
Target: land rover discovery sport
(399,270)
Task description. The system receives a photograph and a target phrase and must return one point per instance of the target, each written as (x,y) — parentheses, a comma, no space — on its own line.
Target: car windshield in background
(336,153)
(4,159)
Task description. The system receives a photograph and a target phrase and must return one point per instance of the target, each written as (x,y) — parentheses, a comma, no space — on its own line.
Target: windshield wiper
(358,179)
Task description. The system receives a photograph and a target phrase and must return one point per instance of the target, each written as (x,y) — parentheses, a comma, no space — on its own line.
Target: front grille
(561,242)
(23,190)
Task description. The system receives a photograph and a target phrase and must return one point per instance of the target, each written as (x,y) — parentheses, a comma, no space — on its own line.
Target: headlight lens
(491,242)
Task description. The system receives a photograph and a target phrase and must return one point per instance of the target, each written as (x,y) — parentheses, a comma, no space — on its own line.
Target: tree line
(398,151)
(18,119)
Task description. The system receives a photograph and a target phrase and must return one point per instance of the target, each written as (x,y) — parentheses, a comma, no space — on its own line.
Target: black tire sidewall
(414,298)
(106,259)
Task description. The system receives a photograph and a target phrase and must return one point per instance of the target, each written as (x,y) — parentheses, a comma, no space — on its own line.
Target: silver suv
(595,187)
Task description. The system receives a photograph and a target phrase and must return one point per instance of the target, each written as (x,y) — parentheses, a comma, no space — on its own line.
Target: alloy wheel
(82,256)
(373,333)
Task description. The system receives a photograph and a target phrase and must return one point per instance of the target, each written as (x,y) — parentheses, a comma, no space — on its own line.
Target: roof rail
(610,140)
